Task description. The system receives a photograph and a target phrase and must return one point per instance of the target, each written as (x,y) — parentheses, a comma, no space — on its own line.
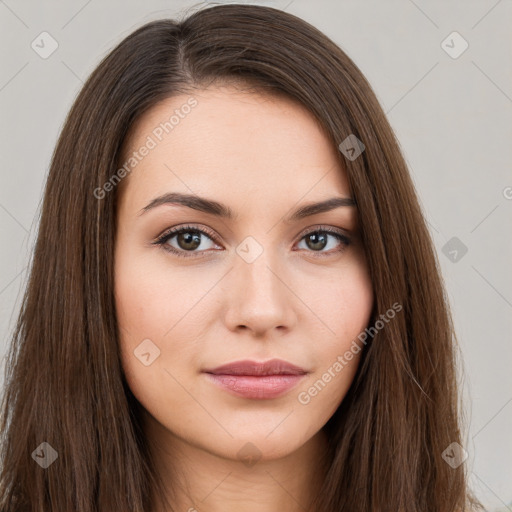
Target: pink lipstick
(250,379)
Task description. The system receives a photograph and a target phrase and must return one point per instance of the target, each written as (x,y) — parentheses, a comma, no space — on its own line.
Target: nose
(259,297)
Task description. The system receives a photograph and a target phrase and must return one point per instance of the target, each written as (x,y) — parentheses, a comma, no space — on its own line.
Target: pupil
(317,244)
(185,238)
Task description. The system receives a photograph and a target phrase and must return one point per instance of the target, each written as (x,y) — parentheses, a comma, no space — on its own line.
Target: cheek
(155,312)
(342,300)
(356,304)
(139,309)
(322,394)
(150,300)
(143,320)
(346,304)
(355,298)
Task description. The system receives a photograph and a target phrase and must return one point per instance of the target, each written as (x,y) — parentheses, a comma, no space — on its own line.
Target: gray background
(451,115)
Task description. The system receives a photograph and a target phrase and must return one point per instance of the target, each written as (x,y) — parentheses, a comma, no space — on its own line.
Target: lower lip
(256,387)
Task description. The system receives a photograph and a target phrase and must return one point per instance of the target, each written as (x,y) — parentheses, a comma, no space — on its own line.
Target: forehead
(232,142)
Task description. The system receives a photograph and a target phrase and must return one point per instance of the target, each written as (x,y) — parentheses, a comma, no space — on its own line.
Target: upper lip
(272,367)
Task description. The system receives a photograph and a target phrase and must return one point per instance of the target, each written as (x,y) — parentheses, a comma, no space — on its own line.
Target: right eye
(187,240)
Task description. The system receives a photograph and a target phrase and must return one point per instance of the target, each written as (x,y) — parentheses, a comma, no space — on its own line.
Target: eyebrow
(220,210)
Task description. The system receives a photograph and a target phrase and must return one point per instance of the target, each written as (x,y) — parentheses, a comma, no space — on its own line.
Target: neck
(196,479)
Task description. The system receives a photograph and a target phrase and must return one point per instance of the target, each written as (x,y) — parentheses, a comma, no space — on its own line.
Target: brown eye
(316,241)
(187,239)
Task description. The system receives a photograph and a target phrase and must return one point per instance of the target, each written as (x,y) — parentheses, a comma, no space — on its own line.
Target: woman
(234,299)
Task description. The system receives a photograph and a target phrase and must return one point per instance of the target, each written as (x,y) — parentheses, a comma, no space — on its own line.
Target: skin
(263,156)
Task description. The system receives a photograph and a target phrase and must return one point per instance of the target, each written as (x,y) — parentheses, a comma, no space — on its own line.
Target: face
(196,290)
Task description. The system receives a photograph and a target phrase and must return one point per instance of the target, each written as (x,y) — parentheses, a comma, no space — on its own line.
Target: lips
(256,369)
(253,380)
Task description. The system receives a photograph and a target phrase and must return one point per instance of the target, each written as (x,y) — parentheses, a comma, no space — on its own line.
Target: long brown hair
(64,381)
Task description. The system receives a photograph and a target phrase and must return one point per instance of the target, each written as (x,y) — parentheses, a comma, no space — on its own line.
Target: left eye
(319,240)
(188,240)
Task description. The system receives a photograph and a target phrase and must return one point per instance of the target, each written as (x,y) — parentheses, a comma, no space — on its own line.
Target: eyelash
(166,236)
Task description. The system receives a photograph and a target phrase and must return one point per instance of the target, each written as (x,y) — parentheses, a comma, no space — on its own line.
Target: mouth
(256,369)
(251,379)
